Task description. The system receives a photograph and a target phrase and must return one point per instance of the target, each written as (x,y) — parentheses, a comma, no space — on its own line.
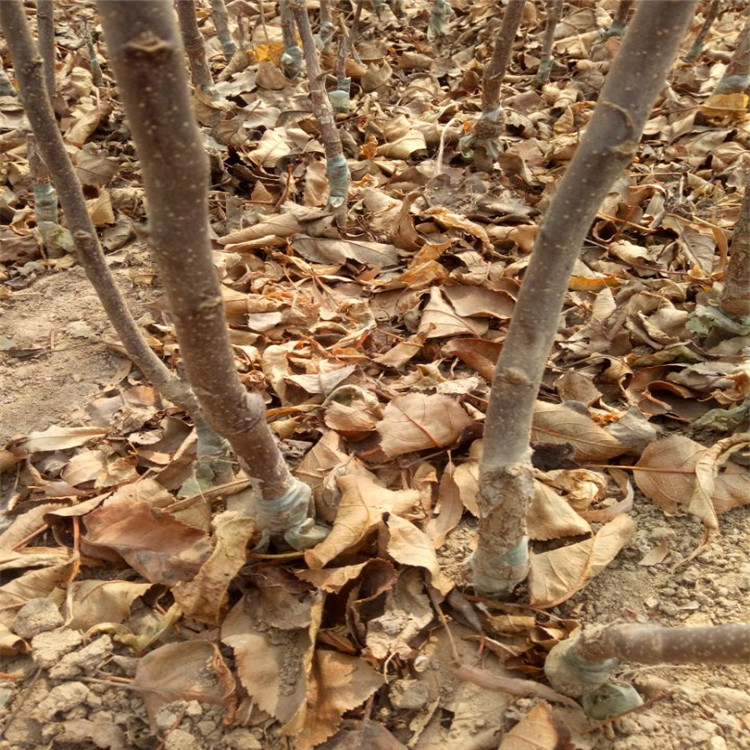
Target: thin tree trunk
(326,26)
(30,76)
(483,142)
(45,29)
(195,47)
(96,67)
(221,22)
(554,14)
(146,57)
(337,170)
(494,72)
(735,300)
(637,75)
(697,47)
(291,60)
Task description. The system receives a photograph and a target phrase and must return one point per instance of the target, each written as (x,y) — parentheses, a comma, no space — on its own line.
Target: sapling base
(583,665)
(483,144)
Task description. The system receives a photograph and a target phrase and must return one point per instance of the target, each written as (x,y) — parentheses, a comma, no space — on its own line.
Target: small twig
(511,685)
(649,469)
(113,682)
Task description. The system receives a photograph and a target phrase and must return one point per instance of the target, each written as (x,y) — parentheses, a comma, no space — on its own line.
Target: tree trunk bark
(611,138)
(579,666)
(554,14)
(735,300)
(221,22)
(498,64)
(736,78)
(45,29)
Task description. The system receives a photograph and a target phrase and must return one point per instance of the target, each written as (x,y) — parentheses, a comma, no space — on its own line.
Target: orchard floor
(59,360)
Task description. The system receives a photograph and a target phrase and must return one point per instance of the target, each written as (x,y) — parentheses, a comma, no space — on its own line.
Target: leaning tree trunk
(30,75)
(611,138)
(147,59)
(337,170)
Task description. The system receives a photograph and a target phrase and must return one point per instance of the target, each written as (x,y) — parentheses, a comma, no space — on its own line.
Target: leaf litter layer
(373,345)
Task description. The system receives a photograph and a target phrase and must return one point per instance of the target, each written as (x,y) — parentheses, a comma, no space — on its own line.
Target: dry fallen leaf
(448,508)
(537,730)
(156,544)
(557,423)
(363,502)
(60,438)
(556,575)
(338,683)
(417,422)
(184,671)
(411,546)
(205,596)
(92,602)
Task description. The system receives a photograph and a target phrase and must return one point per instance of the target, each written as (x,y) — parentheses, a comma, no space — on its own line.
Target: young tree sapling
(195,46)
(712,13)
(147,59)
(554,14)
(736,78)
(620,21)
(735,298)
(337,169)
(483,142)
(45,31)
(637,75)
(220,18)
(291,59)
(324,37)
